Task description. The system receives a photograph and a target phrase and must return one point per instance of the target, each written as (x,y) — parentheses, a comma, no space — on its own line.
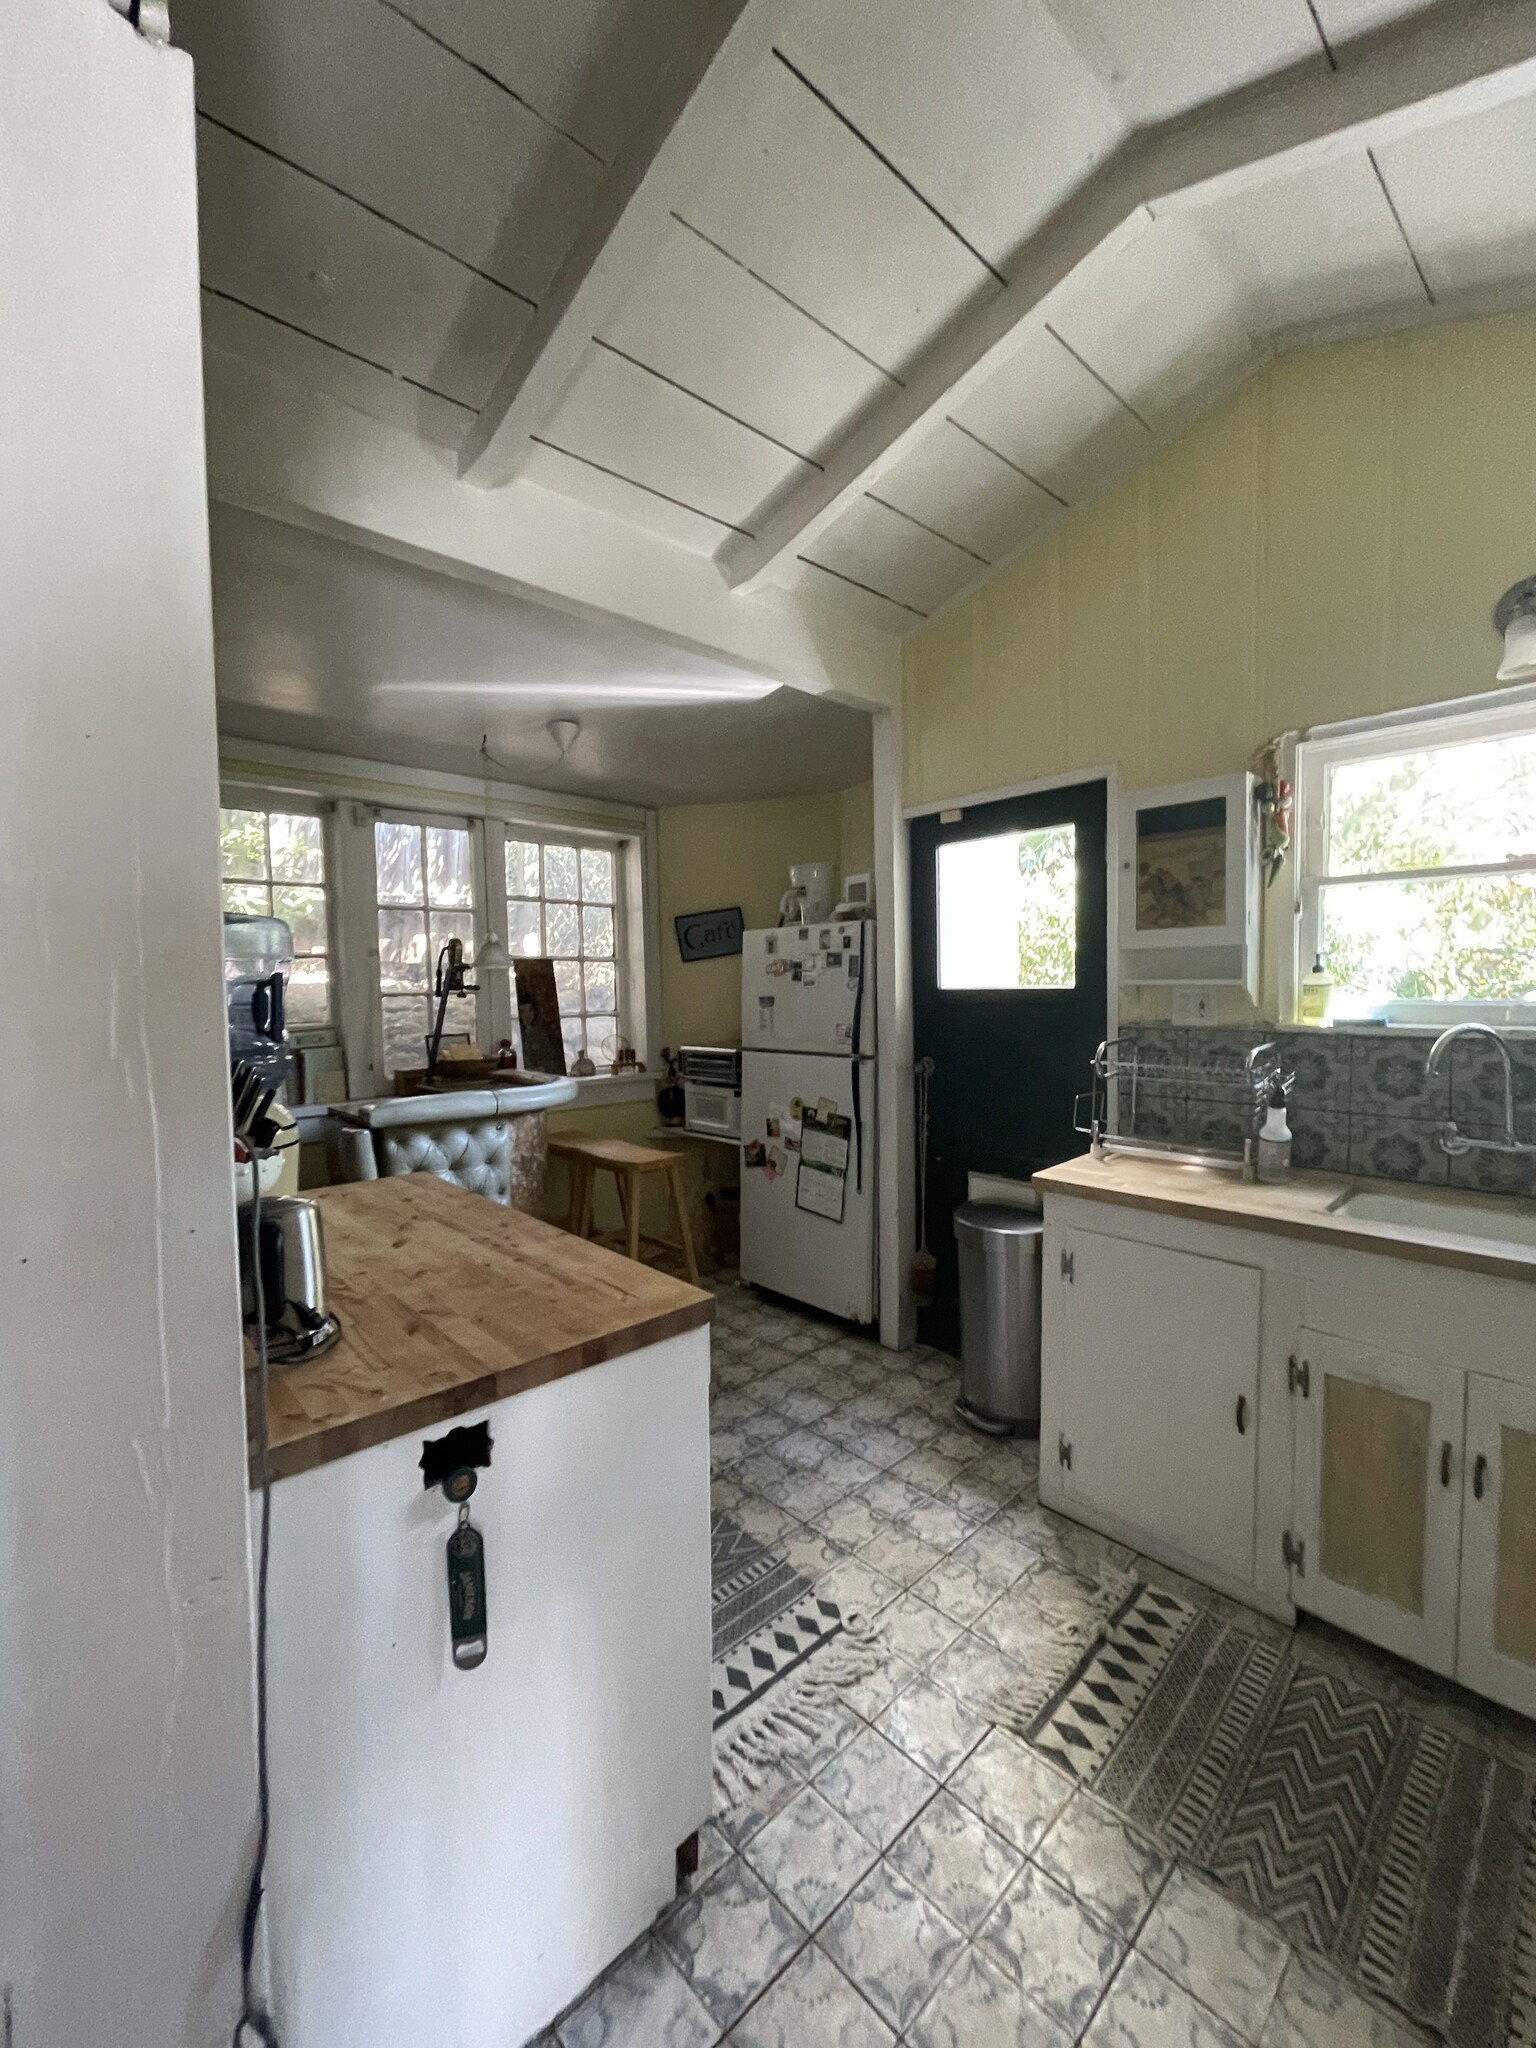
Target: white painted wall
(457,1853)
(126,1747)
(893,911)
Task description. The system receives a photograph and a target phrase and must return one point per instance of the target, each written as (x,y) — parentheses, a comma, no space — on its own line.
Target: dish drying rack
(1121,1064)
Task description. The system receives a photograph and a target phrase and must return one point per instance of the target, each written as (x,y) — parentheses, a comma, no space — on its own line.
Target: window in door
(562,904)
(272,864)
(1007,910)
(1418,876)
(425,897)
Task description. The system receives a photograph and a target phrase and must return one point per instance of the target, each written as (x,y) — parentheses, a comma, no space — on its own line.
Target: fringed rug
(781,1654)
(1404,1853)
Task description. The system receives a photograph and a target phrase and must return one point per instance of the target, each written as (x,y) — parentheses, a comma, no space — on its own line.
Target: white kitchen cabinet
(1378,1477)
(1157,1408)
(1497,1649)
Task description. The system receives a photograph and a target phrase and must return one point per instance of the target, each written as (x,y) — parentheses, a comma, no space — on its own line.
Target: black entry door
(1009,990)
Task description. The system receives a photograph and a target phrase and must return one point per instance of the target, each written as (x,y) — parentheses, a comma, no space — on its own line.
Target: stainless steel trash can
(999,1248)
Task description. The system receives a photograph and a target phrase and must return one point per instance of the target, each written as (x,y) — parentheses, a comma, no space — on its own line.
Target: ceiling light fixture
(564,732)
(1515,617)
(645,693)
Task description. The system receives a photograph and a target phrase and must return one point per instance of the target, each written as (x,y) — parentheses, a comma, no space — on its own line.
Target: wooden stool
(629,1164)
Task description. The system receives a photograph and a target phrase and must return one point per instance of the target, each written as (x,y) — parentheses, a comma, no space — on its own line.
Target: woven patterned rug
(781,1655)
(1403,1853)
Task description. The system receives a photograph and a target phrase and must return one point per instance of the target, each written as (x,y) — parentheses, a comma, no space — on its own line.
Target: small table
(629,1164)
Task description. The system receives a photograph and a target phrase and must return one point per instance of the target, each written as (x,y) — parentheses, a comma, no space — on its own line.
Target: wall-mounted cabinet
(1346,1433)
(1189,884)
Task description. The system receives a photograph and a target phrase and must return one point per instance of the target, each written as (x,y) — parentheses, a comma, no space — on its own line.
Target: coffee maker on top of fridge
(808,1114)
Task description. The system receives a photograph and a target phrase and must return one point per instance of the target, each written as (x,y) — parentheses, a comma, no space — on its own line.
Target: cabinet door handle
(1242,1414)
(1445,1464)
(1479,1475)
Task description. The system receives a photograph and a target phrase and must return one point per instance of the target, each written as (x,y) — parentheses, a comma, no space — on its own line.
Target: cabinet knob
(1242,1414)
(1480,1475)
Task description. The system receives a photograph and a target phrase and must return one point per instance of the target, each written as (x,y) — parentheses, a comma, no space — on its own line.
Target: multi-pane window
(272,864)
(1419,868)
(425,897)
(562,903)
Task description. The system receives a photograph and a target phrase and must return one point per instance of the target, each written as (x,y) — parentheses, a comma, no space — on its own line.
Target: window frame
(425,821)
(293,804)
(616,846)
(1329,747)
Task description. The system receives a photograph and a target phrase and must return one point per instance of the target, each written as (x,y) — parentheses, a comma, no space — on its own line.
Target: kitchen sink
(1440,1215)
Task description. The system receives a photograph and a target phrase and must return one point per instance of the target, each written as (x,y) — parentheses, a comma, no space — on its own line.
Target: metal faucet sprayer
(1454,1142)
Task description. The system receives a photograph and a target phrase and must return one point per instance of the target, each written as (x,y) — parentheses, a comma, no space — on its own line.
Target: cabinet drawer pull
(1445,1464)
(1242,1414)
(1480,1475)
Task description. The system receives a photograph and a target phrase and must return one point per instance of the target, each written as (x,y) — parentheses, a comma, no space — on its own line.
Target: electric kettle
(290,1259)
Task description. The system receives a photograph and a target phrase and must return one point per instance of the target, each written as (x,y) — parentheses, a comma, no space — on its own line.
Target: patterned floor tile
(739,1823)
(943,1527)
(901,1555)
(1314,2010)
(853,1523)
(1012,1790)
(1051,1947)
(645,2003)
(876,1786)
(1116,1872)
(956,1590)
(810,1552)
(872,1695)
(976,2006)
(892,1497)
(810,1857)
(956,1860)
(843,1724)
(858,1588)
(813,2002)
(1145,2009)
(761,1517)
(894,1943)
(915,1630)
(731,1940)
(972,1669)
(1229,1960)
(992,1553)
(932,1727)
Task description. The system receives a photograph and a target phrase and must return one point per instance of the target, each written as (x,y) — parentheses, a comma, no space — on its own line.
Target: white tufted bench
(492,1141)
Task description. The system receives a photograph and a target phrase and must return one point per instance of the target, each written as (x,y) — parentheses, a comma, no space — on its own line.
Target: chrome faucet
(1453,1141)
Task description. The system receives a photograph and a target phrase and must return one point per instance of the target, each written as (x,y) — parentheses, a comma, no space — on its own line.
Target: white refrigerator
(808,1119)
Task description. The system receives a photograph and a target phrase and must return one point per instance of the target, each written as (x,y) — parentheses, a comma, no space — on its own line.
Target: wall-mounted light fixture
(1515,617)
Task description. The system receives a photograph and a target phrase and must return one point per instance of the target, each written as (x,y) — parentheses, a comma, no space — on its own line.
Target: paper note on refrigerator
(822,1182)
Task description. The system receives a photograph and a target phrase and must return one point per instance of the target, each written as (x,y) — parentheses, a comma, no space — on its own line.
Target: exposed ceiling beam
(308,460)
(701,98)
(1478,51)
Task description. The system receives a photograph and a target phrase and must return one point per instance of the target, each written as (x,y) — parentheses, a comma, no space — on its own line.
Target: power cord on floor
(255,2022)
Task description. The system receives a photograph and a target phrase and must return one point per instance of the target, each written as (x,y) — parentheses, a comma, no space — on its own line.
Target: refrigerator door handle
(858,1128)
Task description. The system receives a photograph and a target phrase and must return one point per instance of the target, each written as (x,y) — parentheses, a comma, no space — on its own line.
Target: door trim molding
(1066,780)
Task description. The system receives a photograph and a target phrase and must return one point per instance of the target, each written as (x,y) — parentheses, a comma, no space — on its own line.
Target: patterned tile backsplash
(1362,1102)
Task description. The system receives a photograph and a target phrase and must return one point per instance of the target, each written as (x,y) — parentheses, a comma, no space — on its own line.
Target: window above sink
(1417,866)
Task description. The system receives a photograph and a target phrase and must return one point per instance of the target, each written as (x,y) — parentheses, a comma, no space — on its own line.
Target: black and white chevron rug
(781,1653)
(1403,1852)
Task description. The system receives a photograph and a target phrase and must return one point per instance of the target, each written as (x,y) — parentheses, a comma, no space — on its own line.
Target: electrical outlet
(1194,1006)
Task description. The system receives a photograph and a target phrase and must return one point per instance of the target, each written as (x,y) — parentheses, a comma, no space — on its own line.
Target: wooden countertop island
(457,1852)
(448,1302)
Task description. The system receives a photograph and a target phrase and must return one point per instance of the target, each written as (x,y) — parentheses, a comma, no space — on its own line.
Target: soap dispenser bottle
(1274,1147)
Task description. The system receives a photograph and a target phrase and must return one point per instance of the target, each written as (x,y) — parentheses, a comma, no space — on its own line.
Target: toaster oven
(711,1077)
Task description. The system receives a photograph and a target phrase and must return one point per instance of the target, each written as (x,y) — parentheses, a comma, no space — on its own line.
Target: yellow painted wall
(1326,544)
(713,855)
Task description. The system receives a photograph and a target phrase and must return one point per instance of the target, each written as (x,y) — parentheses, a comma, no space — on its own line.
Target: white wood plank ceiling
(942,271)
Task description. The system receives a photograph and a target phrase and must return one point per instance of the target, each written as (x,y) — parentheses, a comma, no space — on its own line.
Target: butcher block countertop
(447,1302)
(1298,1207)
